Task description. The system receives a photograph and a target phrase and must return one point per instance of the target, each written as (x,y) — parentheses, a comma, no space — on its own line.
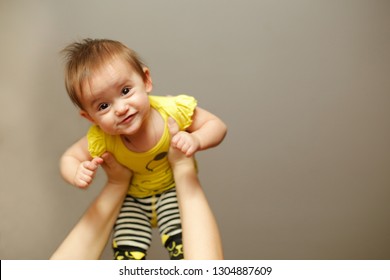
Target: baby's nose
(121,109)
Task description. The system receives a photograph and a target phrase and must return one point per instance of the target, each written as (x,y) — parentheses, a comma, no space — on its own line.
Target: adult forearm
(90,235)
(201,236)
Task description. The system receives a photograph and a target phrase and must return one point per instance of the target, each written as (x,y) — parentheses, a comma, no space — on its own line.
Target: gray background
(304,87)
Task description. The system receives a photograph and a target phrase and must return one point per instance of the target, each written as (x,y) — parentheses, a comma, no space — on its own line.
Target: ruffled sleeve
(96,141)
(185,106)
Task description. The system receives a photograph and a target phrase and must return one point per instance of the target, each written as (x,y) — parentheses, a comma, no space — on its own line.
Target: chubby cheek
(106,124)
(143,104)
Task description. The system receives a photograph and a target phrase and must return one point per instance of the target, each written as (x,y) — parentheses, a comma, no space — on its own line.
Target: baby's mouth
(128,119)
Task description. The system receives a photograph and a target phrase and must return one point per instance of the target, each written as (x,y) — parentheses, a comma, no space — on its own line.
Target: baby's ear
(148,80)
(84,114)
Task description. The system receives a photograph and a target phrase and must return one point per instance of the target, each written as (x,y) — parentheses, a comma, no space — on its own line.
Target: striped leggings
(133,228)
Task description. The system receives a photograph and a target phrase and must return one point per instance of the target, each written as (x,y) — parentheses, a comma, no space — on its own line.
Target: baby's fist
(86,172)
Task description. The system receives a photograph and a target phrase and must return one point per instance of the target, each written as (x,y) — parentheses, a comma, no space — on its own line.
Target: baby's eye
(125,90)
(102,106)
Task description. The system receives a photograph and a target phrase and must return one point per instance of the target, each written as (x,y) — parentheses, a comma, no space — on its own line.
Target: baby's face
(116,98)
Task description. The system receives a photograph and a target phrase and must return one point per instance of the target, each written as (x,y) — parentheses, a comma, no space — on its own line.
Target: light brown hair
(85,57)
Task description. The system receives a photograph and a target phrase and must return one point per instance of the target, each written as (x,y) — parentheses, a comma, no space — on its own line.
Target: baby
(110,85)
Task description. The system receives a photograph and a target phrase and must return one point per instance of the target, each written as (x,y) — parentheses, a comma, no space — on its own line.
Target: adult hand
(116,173)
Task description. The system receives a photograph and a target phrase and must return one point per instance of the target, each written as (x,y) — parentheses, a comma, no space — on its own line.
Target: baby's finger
(182,144)
(190,151)
(91,165)
(87,176)
(175,139)
(80,183)
(184,147)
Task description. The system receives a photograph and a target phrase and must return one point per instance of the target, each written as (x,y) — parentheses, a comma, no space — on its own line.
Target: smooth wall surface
(304,87)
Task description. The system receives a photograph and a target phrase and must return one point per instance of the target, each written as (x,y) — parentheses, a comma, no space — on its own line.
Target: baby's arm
(77,166)
(206,131)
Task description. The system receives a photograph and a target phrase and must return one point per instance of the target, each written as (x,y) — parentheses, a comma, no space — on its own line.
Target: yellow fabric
(151,170)
(164,238)
(137,255)
(153,220)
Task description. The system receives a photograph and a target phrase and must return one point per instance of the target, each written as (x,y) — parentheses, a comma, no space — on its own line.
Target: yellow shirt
(152,173)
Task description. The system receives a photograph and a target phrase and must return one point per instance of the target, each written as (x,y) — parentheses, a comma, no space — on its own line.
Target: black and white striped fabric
(133,227)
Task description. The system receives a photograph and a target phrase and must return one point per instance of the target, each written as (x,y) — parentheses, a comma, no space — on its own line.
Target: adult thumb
(173,126)
(108,158)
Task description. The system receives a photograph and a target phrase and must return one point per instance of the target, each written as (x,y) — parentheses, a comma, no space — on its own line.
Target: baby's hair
(85,57)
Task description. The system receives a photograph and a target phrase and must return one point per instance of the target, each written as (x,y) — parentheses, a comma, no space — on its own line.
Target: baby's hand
(176,157)
(186,142)
(86,172)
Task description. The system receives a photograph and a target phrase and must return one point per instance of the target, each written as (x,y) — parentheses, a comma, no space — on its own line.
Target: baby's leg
(169,224)
(132,230)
